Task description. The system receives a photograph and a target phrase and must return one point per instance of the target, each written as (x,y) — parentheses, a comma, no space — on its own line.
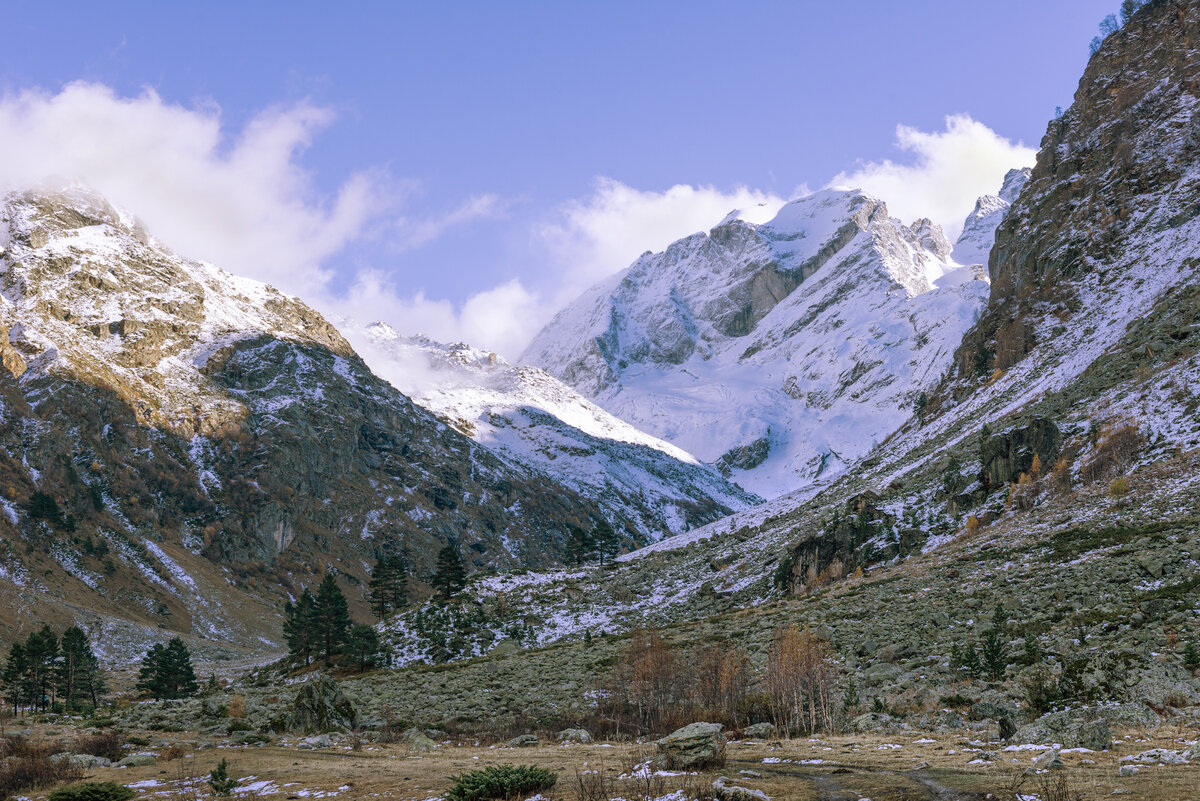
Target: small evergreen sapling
(219,780)
(1191,656)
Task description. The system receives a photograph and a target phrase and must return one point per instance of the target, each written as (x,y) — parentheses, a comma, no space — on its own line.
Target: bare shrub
(1062,474)
(28,767)
(108,744)
(1117,446)
(722,681)
(650,686)
(237,707)
(801,681)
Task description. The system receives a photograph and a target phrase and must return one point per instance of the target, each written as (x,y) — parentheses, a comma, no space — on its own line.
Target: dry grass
(869,766)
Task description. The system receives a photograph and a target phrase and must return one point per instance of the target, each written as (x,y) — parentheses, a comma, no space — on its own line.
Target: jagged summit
(781,351)
(979,229)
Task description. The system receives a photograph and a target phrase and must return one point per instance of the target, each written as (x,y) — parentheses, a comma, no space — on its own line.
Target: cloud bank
(245,201)
(948,171)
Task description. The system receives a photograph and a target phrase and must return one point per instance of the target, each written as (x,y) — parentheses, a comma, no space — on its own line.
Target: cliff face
(1114,173)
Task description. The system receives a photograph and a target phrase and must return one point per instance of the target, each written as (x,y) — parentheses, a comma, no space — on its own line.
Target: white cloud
(602,234)
(949,170)
(409,233)
(242,202)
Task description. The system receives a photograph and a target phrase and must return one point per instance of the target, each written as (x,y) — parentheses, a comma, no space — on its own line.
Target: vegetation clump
(92,791)
(500,782)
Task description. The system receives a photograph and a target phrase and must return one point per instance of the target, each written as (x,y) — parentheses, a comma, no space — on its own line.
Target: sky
(465,169)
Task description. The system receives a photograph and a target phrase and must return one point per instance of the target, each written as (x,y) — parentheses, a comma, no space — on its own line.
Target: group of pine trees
(319,623)
(167,672)
(44,671)
(601,543)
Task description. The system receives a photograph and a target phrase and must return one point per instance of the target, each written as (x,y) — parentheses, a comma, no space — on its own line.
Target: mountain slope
(979,229)
(535,422)
(204,436)
(781,352)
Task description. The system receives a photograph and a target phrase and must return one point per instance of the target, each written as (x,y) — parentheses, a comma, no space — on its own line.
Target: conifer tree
(994,656)
(450,576)
(970,661)
(607,541)
(389,586)
(332,617)
(300,626)
(79,678)
(167,672)
(1191,656)
(362,646)
(16,669)
(580,546)
(41,653)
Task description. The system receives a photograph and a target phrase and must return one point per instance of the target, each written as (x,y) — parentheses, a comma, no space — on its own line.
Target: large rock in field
(320,706)
(574,736)
(759,731)
(694,746)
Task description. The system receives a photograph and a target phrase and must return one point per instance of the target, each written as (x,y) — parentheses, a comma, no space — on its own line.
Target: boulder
(320,706)
(137,761)
(1093,735)
(1048,760)
(724,791)
(1074,730)
(1158,756)
(1126,771)
(315,742)
(574,736)
(694,746)
(82,761)
(873,722)
(419,742)
(523,741)
(759,731)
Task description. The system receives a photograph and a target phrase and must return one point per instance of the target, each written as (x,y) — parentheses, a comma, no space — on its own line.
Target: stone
(82,761)
(320,706)
(695,745)
(574,736)
(522,741)
(1158,756)
(731,792)
(1093,735)
(1048,761)
(759,731)
(872,722)
(137,761)
(315,742)
(1127,770)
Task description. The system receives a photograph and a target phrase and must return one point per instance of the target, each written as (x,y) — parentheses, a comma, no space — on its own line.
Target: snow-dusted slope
(782,351)
(536,422)
(979,229)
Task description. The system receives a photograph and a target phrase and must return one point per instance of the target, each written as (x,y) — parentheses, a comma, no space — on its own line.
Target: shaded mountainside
(648,487)
(1054,471)
(181,448)
(780,352)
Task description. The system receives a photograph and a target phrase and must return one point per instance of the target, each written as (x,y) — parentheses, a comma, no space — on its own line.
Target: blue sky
(395,160)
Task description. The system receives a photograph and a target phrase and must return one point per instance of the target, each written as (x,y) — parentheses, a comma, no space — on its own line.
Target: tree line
(44,672)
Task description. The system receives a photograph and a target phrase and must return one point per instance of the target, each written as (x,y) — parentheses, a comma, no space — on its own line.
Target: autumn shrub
(108,744)
(800,679)
(24,766)
(1117,447)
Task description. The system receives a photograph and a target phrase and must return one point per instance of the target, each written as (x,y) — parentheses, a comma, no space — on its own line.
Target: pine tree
(999,618)
(389,586)
(219,780)
(1033,651)
(450,576)
(150,674)
(608,542)
(41,653)
(580,546)
(300,626)
(16,668)
(994,656)
(167,672)
(79,678)
(970,661)
(362,646)
(1191,656)
(332,617)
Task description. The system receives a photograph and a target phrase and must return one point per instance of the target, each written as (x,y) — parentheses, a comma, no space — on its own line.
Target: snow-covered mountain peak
(779,351)
(979,229)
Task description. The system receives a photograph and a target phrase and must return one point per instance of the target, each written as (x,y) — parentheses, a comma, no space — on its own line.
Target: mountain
(183,449)
(536,423)
(979,229)
(1054,471)
(780,352)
